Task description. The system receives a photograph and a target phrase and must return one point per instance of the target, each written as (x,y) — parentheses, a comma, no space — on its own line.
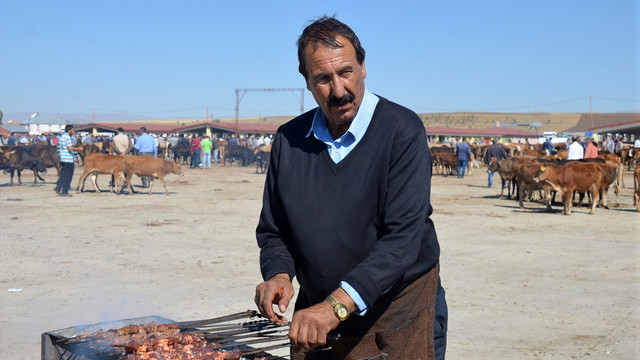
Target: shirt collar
(358,126)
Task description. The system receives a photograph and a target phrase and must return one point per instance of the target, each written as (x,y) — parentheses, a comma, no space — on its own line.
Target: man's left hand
(309,327)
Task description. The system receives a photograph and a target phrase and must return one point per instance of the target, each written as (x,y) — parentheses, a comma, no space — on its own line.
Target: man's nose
(337,88)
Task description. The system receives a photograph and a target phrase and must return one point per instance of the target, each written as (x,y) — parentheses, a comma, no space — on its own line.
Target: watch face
(342,312)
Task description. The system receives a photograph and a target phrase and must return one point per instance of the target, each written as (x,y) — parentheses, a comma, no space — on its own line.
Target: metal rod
(240,315)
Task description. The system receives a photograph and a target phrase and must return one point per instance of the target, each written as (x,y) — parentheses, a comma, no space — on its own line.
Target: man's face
(336,80)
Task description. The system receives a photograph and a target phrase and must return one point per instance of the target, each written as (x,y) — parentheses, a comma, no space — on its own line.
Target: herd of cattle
(527,172)
(532,174)
(39,157)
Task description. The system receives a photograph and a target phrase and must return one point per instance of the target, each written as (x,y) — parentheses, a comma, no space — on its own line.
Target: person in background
(12,140)
(609,145)
(591,151)
(67,150)
(88,139)
(195,152)
(206,146)
(495,152)
(547,146)
(346,210)
(619,144)
(216,149)
(121,143)
(464,156)
(576,151)
(145,146)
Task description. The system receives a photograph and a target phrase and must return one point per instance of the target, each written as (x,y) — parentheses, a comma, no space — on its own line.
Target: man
(67,151)
(206,146)
(619,144)
(346,209)
(576,151)
(495,152)
(146,146)
(591,151)
(464,155)
(609,145)
(195,151)
(13,140)
(548,146)
(88,139)
(121,143)
(216,149)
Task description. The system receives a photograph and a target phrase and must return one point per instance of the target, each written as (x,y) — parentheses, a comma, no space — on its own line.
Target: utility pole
(591,111)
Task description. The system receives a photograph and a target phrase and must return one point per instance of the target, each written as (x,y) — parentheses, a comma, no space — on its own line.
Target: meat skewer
(199,323)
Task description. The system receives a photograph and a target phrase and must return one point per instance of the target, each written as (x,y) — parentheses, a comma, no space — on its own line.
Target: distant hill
(558,122)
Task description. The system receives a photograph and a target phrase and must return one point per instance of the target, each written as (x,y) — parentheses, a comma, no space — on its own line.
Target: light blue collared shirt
(339,148)
(342,146)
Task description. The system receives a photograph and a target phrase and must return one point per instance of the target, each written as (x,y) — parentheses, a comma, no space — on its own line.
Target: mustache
(339,101)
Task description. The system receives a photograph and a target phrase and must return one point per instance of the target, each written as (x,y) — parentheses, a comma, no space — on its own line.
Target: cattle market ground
(521,284)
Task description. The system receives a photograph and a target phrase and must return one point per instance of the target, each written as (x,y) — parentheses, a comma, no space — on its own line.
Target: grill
(253,337)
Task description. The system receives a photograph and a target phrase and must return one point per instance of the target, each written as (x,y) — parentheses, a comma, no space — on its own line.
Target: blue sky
(173,59)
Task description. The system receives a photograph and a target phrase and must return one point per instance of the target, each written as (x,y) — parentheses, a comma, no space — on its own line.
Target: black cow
(182,152)
(243,155)
(18,159)
(48,154)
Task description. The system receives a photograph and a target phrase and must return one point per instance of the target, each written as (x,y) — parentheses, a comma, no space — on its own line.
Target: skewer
(240,315)
(244,335)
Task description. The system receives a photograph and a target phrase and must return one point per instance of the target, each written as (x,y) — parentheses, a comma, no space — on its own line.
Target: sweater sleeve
(404,221)
(275,256)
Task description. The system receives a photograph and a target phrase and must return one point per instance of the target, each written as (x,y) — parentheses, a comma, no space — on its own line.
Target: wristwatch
(339,309)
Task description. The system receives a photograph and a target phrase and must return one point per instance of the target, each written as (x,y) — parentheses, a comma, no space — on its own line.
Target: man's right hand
(276,291)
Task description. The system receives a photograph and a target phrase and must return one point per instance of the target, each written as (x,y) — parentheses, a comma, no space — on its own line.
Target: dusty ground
(521,284)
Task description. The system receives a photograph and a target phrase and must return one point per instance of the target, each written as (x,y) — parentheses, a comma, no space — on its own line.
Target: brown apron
(401,328)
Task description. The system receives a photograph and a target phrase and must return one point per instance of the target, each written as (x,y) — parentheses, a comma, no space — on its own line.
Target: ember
(156,338)
(161,342)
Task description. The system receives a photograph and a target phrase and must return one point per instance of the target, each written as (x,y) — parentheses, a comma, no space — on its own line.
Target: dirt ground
(521,284)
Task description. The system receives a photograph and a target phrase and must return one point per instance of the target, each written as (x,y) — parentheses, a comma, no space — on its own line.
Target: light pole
(29,123)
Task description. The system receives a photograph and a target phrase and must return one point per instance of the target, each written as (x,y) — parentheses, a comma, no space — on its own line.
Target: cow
(164,149)
(615,159)
(524,172)
(48,154)
(237,152)
(182,153)
(95,164)
(444,162)
(505,169)
(16,159)
(574,176)
(149,166)
(263,161)
(636,187)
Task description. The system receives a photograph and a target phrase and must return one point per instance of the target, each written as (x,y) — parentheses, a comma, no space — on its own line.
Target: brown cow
(615,159)
(445,163)
(95,164)
(574,176)
(149,166)
(524,171)
(505,168)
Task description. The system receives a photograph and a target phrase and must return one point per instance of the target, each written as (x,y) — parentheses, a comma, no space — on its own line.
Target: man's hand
(309,327)
(277,290)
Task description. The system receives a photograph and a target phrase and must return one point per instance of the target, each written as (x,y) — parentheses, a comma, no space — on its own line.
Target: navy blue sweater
(364,220)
